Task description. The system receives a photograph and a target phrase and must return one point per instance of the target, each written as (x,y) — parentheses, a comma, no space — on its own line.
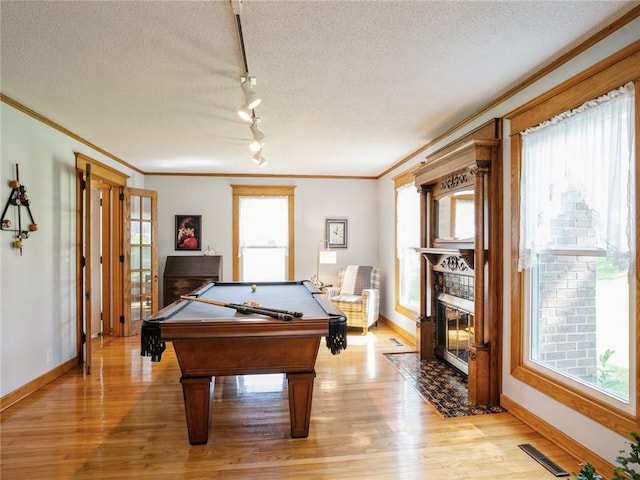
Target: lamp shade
(328,257)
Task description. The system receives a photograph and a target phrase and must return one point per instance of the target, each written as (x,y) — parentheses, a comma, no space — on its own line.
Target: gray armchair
(357,294)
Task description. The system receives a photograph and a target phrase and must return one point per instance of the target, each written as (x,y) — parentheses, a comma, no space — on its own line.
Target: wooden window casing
(256,191)
(401,180)
(617,70)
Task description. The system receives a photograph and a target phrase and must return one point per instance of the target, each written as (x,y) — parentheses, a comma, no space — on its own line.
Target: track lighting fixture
(252,100)
(259,158)
(258,137)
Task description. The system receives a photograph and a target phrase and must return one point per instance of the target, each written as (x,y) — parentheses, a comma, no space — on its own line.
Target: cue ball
(253,287)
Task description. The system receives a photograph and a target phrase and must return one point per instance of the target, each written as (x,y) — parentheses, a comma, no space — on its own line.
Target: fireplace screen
(455,334)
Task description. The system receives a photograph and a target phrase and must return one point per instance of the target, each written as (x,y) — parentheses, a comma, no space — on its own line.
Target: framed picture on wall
(336,232)
(187,232)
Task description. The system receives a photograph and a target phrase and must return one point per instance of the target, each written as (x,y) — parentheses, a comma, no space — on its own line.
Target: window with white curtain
(407,239)
(263,237)
(577,247)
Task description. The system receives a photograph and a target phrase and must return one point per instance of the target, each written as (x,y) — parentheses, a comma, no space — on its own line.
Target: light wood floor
(126,421)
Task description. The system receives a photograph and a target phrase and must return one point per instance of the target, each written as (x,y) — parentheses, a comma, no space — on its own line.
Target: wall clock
(336,234)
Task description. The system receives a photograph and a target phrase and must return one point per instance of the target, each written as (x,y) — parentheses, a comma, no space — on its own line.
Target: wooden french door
(140,291)
(88,307)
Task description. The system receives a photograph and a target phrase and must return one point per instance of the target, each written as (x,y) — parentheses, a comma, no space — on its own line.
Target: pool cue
(217,302)
(270,312)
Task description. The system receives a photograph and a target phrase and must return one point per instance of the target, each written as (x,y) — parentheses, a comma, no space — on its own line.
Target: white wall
(37,288)
(591,434)
(315,200)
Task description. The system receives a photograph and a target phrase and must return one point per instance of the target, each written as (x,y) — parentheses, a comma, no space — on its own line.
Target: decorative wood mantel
(471,153)
(434,254)
(472,162)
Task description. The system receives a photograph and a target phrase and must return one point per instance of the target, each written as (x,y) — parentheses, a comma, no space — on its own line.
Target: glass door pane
(140,257)
(459,335)
(143,291)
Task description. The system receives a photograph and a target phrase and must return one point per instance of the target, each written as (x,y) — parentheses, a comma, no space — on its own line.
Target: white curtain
(589,150)
(264,238)
(408,219)
(264,222)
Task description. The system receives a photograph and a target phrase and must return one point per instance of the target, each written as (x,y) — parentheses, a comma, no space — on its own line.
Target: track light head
(259,159)
(245,113)
(252,100)
(258,136)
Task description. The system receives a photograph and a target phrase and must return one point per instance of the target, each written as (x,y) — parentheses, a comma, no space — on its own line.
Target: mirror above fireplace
(455,216)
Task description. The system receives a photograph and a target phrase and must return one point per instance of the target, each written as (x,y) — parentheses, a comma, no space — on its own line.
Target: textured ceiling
(349,87)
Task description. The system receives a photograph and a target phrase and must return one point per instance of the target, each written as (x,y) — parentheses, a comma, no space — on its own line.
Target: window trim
(612,72)
(268,191)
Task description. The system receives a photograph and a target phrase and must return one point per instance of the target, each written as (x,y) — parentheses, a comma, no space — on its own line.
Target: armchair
(357,294)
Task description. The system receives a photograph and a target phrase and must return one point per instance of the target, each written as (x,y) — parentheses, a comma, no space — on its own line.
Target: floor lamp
(325,257)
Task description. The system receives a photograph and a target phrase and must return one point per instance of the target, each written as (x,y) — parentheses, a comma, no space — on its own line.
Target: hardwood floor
(126,420)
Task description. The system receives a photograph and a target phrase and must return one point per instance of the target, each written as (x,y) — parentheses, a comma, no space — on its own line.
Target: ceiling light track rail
(252,100)
(243,52)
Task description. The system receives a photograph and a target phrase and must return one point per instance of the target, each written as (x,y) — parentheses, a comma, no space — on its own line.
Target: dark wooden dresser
(183,274)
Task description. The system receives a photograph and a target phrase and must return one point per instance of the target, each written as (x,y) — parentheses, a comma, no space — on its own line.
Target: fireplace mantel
(469,167)
(434,254)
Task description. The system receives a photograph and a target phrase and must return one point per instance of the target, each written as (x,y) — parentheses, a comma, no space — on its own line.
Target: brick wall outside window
(567,295)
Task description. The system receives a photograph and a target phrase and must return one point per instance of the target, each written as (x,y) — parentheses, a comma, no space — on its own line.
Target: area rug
(439,384)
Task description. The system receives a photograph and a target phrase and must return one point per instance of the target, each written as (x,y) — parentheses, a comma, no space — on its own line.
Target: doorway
(116,237)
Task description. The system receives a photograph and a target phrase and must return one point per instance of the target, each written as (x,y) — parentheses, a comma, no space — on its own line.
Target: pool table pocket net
(337,336)
(151,344)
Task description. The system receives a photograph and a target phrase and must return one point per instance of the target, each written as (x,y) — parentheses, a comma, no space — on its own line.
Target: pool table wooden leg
(197,406)
(300,395)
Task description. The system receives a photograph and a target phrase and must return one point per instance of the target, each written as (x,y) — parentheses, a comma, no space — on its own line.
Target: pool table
(213,340)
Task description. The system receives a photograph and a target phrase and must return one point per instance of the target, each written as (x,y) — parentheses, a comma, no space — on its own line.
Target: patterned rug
(440,384)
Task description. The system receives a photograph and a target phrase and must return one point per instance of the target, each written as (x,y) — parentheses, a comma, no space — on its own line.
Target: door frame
(114,182)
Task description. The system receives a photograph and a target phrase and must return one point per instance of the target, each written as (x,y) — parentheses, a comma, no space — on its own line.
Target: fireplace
(460,189)
(454,319)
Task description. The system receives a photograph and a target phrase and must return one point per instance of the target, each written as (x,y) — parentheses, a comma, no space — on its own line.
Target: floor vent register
(543,460)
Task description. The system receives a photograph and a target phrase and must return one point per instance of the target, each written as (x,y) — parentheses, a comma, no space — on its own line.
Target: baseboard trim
(397,329)
(567,443)
(35,384)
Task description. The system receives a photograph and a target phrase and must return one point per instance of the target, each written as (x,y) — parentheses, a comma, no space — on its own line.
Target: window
(407,238)
(576,242)
(263,233)
(574,282)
